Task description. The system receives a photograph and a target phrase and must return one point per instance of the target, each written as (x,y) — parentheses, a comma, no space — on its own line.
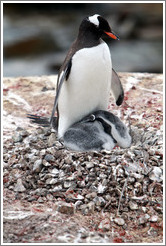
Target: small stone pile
(37,167)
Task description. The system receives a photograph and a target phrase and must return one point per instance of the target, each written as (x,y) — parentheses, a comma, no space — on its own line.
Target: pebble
(77,204)
(147,216)
(142,220)
(66,208)
(113,158)
(91,195)
(68,160)
(55,172)
(57,188)
(40,200)
(101,189)
(144,209)
(104,225)
(138,177)
(51,181)
(99,201)
(119,221)
(31,139)
(17,137)
(91,207)
(24,133)
(37,167)
(42,152)
(156,174)
(52,139)
(108,197)
(153,218)
(102,176)
(76,196)
(46,163)
(19,187)
(81,184)
(159,209)
(49,197)
(69,184)
(89,165)
(49,158)
(133,205)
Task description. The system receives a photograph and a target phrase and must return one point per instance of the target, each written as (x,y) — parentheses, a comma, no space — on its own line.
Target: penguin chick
(100,130)
(97,131)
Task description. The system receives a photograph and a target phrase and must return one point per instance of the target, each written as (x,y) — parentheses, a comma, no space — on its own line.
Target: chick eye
(119,128)
(92,117)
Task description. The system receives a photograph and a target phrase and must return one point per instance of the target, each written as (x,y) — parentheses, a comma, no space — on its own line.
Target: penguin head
(97,25)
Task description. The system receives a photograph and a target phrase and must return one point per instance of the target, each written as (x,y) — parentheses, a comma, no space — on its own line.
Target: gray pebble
(156,174)
(46,163)
(17,137)
(153,218)
(77,204)
(99,201)
(51,181)
(19,187)
(104,225)
(49,158)
(52,139)
(69,184)
(89,165)
(66,208)
(119,221)
(133,205)
(37,167)
(91,195)
(101,189)
(142,220)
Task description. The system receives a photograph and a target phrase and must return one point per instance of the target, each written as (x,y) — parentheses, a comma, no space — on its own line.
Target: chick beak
(112,35)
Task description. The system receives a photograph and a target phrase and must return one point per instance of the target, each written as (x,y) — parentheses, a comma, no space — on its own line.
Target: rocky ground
(54,195)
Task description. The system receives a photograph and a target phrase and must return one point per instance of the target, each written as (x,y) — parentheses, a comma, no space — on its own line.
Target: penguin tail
(40,120)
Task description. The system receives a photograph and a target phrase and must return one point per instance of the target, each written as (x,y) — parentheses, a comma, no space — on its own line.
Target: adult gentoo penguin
(84,79)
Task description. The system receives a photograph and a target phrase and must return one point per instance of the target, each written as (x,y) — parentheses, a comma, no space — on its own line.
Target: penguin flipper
(64,75)
(117,88)
(40,120)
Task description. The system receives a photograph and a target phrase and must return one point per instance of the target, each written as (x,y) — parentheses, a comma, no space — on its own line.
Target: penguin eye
(103,24)
(119,128)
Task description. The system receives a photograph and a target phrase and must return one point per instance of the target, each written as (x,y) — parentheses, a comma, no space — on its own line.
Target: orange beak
(112,35)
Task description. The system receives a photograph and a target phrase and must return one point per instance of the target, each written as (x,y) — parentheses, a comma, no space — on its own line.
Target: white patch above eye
(93,19)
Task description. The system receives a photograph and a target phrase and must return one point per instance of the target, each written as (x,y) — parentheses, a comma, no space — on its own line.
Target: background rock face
(37,36)
(53,195)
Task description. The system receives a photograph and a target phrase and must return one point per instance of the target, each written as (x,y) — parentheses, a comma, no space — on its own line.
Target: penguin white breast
(88,86)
